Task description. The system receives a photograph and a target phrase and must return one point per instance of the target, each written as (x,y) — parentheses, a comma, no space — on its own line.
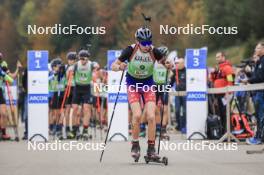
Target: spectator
(25,111)
(258,77)
(179,78)
(222,76)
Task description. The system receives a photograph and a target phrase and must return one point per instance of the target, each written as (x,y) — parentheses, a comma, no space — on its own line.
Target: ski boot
(85,135)
(153,157)
(5,137)
(135,150)
(70,135)
(25,136)
(59,135)
(78,134)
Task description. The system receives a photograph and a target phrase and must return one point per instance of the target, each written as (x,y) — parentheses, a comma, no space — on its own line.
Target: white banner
(38,95)
(119,128)
(196,80)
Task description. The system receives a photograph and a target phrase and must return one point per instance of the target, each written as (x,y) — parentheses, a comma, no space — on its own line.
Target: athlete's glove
(122,66)
(51,76)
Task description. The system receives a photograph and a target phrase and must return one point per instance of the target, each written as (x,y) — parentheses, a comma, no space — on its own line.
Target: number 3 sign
(196,58)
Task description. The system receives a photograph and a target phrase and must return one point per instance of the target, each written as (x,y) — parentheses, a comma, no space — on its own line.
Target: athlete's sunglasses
(83,58)
(146,43)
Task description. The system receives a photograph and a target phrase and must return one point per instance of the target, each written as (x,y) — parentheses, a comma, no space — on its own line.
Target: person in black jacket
(24,93)
(179,78)
(258,77)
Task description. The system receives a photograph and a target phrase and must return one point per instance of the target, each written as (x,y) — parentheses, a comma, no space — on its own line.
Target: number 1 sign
(38,95)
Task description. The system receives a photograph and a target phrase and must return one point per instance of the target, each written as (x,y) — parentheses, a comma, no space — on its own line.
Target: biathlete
(5,77)
(160,76)
(82,91)
(139,78)
(56,87)
(71,58)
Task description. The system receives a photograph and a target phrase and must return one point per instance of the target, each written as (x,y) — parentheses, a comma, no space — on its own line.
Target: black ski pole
(102,153)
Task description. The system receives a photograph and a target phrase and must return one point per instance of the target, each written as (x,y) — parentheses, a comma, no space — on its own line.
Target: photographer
(258,77)
(243,73)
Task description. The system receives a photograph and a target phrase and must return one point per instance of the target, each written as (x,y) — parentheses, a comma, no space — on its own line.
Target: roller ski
(152,156)
(135,151)
(261,151)
(164,135)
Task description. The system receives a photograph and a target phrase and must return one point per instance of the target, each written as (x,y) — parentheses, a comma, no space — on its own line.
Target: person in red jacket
(222,76)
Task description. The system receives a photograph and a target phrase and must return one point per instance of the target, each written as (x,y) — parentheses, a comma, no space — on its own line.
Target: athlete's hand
(2,73)
(122,66)
(19,65)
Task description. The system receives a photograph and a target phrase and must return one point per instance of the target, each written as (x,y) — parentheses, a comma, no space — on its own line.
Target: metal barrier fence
(226,90)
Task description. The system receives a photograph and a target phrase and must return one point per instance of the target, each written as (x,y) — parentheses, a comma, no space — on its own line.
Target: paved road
(15,159)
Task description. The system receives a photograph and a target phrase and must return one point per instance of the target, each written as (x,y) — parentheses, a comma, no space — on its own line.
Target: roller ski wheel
(135,151)
(152,156)
(86,137)
(136,157)
(156,159)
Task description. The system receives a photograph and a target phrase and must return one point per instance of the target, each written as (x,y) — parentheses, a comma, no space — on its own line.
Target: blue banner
(196,58)
(122,98)
(196,96)
(38,98)
(112,55)
(38,60)
(14,102)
